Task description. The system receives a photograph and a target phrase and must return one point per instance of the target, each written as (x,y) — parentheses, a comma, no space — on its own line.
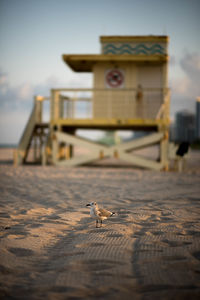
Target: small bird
(99,214)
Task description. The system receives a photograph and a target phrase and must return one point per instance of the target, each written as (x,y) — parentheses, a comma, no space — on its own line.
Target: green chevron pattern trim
(138,49)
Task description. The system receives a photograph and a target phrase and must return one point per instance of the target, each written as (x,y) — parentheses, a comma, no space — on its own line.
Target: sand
(50,248)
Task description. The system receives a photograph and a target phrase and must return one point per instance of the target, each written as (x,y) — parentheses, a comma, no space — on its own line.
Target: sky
(35,33)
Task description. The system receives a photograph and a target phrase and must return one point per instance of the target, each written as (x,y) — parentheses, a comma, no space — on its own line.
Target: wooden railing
(109,103)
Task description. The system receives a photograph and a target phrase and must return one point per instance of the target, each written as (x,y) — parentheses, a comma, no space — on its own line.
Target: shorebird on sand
(99,214)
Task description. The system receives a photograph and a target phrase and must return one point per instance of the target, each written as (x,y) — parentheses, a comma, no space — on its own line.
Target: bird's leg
(97,224)
(101,223)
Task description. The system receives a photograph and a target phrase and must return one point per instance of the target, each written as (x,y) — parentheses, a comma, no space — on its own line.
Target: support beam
(118,151)
(141,142)
(44,156)
(81,160)
(140,161)
(54,150)
(77,141)
(164,146)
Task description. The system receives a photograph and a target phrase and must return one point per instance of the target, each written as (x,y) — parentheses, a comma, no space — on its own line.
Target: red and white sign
(114,78)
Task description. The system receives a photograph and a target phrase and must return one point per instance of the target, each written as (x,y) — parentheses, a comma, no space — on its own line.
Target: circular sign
(114,78)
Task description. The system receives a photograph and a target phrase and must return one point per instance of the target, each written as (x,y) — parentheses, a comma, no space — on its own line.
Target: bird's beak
(88,204)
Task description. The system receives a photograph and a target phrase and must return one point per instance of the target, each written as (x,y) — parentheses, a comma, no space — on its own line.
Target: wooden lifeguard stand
(130,93)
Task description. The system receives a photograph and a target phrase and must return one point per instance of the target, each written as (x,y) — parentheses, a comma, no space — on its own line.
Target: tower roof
(134,38)
(85,62)
(117,49)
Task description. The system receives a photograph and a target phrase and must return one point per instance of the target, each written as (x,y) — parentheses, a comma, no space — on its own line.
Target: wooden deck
(112,124)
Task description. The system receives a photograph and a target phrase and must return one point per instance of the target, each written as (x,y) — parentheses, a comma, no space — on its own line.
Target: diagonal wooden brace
(99,151)
(141,142)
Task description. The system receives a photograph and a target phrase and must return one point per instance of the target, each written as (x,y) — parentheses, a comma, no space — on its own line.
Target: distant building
(172,132)
(185,127)
(198,119)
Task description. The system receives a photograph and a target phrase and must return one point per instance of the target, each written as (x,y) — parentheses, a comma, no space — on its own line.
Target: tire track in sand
(88,258)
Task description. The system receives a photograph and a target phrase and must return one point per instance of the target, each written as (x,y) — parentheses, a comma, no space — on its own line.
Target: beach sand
(50,248)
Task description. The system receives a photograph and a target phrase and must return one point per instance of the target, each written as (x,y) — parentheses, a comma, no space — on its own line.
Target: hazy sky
(35,33)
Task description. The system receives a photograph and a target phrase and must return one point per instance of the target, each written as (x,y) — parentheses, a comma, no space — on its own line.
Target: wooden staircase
(34,136)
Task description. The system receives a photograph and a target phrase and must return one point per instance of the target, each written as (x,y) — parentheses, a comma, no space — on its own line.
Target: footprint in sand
(21,251)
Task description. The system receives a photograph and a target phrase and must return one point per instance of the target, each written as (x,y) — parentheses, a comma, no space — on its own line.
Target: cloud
(3,82)
(190,63)
(189,85)
(12,98)
(180,86)
(25,91)
(12,124)
(16,102)
(21,96)
(186,89)
(3,79)
(172,60)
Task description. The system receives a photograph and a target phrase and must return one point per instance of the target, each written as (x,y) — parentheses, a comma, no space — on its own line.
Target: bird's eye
(92,203)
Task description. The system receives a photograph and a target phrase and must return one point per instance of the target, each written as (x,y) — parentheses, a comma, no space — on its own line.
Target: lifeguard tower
(130,93)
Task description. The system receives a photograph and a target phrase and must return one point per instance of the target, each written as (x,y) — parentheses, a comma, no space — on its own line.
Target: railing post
(38,109)
(164,145)
(55,107)
(44,156)
(61,108)
(165,111)
(54,149)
